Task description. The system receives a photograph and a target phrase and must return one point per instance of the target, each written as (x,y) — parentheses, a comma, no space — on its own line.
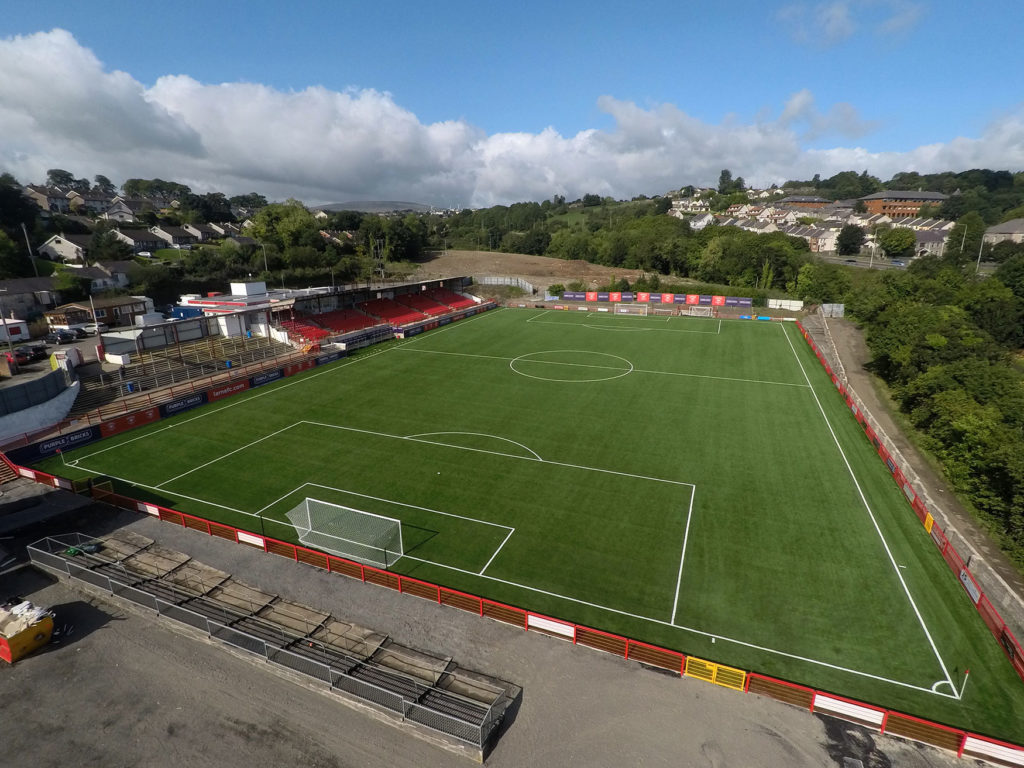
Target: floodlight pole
(977,269)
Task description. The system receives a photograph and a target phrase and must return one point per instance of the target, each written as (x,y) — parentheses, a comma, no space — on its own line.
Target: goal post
(631,309)
(702,311)
(347,532)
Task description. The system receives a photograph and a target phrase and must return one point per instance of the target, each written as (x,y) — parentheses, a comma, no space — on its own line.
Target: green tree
(69,285)
(725,183)
(897,242)
(104,185)
(850,240)
(58,177)
(964,239)
(105,246)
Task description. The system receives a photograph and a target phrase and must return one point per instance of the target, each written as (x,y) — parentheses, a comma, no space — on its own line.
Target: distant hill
(374,206)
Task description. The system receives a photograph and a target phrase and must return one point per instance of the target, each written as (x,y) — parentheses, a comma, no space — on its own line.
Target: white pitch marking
(488,565)
(478,434)
(498,453)
(685,629)
(871,514)
(682,556)
(224,456)
(611,368)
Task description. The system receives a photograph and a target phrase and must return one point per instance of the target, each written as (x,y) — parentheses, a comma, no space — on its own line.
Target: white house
(65,248)
(1012,230)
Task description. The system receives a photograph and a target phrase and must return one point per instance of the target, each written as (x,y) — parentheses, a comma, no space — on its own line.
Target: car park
(61,337)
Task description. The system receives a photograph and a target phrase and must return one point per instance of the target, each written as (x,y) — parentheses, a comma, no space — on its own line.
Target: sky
(480,103)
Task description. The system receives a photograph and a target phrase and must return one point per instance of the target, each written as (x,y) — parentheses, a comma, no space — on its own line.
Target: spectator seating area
(345,320)
(450,298)
(392,311)
(424,304)
(304,331)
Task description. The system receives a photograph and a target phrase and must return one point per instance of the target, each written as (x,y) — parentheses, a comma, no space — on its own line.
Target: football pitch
(694,483)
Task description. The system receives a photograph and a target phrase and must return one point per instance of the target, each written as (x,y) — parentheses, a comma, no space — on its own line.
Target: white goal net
(631,309)
(702,312)
(347,532)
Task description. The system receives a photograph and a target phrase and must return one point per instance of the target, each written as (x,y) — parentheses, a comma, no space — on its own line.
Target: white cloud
(60,108)
(826,24)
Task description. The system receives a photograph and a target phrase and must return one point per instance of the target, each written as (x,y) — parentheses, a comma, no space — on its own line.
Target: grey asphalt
(126,689)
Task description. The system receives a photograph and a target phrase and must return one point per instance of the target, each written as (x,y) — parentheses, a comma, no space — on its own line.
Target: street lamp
(265,267)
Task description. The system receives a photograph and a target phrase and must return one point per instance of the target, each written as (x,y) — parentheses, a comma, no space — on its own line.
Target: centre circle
(571,365)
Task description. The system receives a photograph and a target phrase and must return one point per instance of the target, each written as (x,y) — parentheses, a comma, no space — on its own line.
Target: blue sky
(454,101)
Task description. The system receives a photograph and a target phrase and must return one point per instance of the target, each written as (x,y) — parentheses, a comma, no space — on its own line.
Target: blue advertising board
(30,453)
(183,404)
(265,378)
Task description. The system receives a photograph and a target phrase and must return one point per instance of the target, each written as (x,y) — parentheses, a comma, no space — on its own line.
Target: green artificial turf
(688,482)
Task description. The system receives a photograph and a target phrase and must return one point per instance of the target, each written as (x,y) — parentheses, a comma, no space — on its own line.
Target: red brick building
(899,203)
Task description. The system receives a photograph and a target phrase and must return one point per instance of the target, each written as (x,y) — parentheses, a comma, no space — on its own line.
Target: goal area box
(346,532)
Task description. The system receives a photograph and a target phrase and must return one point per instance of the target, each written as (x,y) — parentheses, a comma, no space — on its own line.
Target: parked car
(850,261)
(144,255)
(899,263)
(79,333)
(61,337)
(32,351)
(93,328)
(19,357)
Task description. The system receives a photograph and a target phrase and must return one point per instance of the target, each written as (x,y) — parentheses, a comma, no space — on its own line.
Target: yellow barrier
(928,522)
(728,677)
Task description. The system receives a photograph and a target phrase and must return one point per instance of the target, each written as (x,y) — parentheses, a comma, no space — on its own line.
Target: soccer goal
(347,532)
(702,312)
(631,309)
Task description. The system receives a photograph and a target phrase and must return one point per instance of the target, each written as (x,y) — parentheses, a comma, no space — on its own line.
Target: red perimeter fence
(963,743)
(1000,631)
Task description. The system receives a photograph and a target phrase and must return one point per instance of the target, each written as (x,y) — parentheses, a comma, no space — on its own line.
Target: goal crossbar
(348,532)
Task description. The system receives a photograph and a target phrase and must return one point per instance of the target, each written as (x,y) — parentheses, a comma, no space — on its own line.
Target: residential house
(896,202)
(201,232)
(804,202)
(173,236)
(99,279)
(759,227)
(929,242)
(1012,230)
(702,220)
(818,240)
(112,310)
(63,247)
(48,198)
(127,209)
(91,202)
(139,239)
(27,297)
(225,229)
(691,205)
(242,241)
(320,215)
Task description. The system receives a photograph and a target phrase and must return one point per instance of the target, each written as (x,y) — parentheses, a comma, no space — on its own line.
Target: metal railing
(53,554)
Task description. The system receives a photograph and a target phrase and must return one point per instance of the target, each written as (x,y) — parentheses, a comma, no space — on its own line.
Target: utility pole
(28,246)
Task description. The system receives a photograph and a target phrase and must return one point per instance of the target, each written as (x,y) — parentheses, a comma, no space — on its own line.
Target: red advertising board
(591,295)
(305,365)
(668,298)
(129,421)
(643,297)
(218,393)
(692,298)
(718,301)
(615,296)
